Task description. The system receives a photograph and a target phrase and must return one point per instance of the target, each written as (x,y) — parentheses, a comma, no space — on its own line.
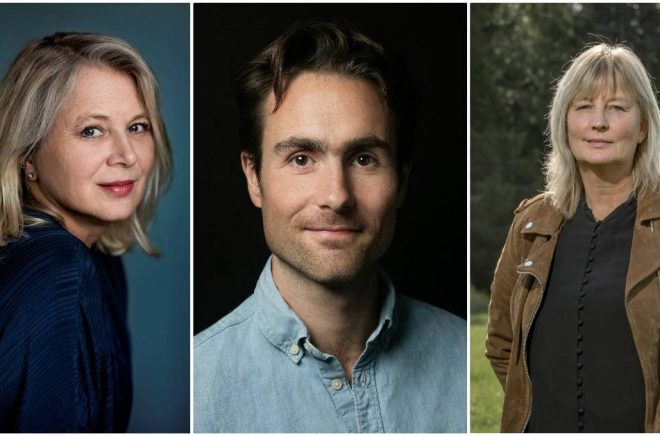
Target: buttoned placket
(356,404)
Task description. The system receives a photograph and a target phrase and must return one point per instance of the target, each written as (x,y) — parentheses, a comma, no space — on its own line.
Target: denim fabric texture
(257,371)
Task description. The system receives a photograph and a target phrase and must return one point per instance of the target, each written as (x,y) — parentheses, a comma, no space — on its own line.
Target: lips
(120,188)
(333,236)
(598,142)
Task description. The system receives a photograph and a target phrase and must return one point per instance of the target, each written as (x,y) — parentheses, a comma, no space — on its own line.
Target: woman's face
(93,166)
(604,130)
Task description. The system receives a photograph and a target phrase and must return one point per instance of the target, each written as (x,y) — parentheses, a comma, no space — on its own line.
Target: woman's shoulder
(45,243)
(537,215)
(528,205)
(46,258)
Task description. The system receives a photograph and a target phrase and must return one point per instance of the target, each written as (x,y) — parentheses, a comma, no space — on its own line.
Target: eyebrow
(316,145)
(95,116)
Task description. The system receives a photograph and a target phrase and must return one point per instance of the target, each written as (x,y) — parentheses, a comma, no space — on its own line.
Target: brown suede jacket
(520,279)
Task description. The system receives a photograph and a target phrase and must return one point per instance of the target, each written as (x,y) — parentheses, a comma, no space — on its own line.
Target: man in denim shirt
(325,344)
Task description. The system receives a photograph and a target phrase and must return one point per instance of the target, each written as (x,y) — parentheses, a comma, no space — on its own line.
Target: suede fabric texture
(516,292)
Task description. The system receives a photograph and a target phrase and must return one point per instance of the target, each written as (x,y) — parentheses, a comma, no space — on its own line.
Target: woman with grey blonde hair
(84,157)
(573,331)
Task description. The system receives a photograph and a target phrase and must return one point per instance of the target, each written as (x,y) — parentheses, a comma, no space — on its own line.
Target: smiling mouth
(118,189)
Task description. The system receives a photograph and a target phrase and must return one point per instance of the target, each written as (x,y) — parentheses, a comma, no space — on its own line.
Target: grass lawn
(486,394)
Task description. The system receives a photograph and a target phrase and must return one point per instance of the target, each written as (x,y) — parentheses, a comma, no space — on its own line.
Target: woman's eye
(364,159)
(138,128)
(582,106)
(617,108)
(91,132)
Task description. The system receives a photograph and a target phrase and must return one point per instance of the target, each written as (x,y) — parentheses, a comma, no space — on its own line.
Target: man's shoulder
(230,327)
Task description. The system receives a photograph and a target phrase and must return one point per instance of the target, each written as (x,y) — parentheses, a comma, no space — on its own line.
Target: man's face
(328,186)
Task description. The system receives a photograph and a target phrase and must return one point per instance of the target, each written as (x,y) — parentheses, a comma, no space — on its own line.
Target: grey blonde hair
(37,83)
(597,68)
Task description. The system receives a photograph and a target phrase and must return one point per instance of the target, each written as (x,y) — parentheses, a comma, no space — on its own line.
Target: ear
(30,170)
(250,171)
(403,185)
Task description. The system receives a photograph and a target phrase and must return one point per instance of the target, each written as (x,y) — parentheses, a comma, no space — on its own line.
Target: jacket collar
(542,218)
(648,207)
(285,331)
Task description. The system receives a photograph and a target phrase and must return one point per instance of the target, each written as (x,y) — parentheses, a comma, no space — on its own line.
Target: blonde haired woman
(84,157)
(573,331)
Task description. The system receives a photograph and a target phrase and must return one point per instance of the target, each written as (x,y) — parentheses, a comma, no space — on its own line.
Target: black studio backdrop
(427,258)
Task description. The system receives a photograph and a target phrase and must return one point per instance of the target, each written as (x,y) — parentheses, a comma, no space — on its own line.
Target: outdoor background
(517,53)
(158,288)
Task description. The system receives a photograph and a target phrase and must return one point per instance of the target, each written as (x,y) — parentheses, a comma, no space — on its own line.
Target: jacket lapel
(645,250)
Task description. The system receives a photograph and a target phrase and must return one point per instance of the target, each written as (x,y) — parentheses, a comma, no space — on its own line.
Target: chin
(336,272)
(116,214)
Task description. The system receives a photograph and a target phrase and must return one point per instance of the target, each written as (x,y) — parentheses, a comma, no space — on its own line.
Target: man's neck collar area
(284,329)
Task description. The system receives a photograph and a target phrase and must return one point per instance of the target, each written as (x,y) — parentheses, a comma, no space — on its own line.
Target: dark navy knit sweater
(64,347)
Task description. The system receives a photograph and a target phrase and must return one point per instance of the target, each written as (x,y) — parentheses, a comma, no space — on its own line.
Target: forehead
(327,106)
(104,90)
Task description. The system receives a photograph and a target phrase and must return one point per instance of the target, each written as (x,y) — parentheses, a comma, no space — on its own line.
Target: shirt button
(295,349)
(529,225)
(363,378)
(528,263)
(336,384)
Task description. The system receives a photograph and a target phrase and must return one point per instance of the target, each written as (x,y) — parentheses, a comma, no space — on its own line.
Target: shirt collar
(285,331)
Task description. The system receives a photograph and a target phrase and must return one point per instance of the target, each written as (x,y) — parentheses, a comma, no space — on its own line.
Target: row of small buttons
(580,323)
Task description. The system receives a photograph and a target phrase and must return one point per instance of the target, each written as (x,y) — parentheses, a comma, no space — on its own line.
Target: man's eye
(364,159)
(90,132)
(301,160)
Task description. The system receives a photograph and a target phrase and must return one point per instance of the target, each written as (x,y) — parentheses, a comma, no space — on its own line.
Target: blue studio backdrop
(159,299)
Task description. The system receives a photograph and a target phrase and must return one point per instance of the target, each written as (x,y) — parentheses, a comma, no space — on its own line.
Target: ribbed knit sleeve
(64,363)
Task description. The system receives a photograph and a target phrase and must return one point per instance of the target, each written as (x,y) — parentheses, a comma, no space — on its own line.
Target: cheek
(280,203)
(67,168)
(146,156)
(378,199)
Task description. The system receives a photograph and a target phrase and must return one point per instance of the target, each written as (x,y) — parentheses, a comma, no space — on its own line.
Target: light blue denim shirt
(257,371)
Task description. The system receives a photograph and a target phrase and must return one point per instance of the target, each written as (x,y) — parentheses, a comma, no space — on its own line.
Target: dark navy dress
(64,346)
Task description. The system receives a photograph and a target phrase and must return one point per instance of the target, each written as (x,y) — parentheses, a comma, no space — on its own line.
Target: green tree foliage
(517,53)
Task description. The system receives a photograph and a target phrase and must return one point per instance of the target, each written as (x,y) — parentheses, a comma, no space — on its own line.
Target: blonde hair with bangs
(37,83)
(601,67)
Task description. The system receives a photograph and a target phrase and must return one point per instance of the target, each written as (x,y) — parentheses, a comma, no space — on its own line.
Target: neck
(605,192)
(339,318)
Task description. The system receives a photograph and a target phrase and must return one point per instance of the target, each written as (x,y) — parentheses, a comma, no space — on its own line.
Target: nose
(123,152)
(599,121)
(335,190)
